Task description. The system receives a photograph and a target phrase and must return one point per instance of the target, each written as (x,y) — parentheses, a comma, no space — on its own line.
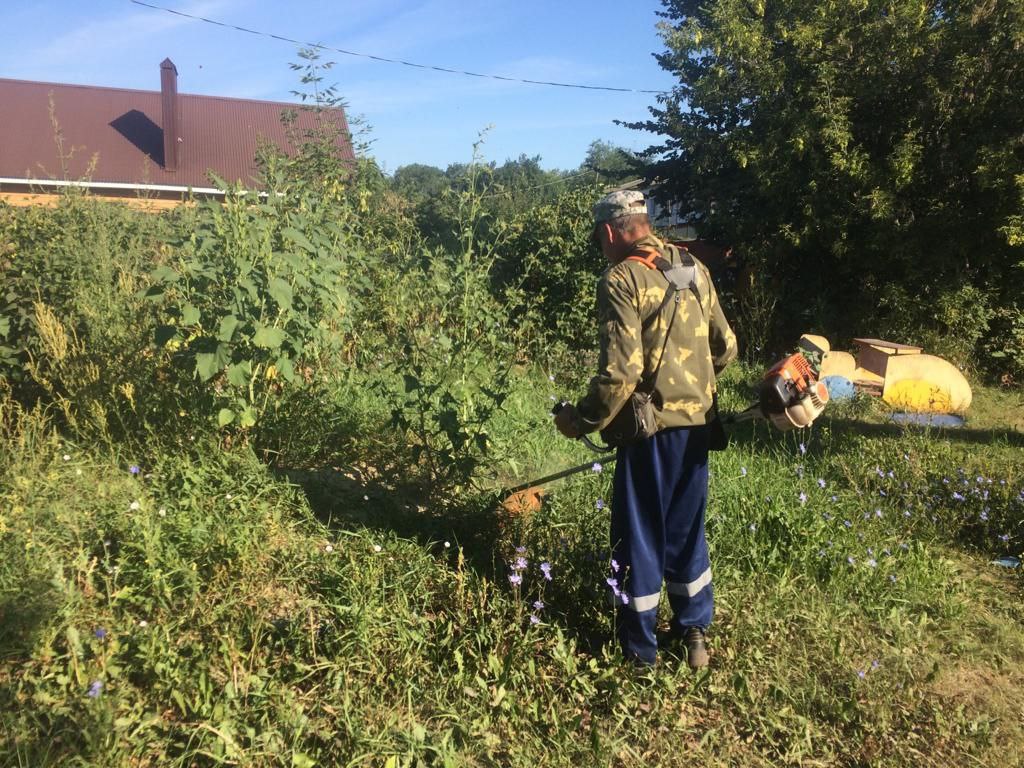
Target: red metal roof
(121,128)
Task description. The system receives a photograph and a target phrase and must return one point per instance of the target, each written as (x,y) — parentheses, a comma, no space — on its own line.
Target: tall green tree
(610,163)
(867,155)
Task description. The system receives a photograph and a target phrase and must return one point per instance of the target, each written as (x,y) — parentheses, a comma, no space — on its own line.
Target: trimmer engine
(790,395)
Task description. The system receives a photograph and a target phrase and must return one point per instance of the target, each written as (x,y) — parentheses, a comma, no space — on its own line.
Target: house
(152,146)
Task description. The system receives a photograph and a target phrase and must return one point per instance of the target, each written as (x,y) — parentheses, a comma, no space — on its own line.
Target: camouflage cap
(620,203)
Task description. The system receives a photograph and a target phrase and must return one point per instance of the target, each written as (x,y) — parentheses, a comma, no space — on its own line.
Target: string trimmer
(789,396)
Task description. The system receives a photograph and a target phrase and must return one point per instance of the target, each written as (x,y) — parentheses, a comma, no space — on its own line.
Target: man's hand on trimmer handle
(565,419)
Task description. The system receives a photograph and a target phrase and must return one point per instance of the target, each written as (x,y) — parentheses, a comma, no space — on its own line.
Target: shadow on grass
(350,500)
(761,435)
(958,434)
(24,614)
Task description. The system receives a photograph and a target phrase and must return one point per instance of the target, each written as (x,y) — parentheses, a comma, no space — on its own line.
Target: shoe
(696,650)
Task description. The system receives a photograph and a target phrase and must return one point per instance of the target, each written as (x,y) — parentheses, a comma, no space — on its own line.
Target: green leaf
(247,418)
(298,238)
(164,333)
(411,383)
(189,314)
(280,292)
(268,337)
(285,368)
(74,640)
(228,325)
(239,373)
(250,288)
(209,364)
(165,274)
(225,417)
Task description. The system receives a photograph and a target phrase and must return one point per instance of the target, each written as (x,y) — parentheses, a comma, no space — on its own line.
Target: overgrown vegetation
(251,456)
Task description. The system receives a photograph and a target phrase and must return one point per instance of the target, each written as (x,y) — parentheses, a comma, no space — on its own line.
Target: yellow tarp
(925,383)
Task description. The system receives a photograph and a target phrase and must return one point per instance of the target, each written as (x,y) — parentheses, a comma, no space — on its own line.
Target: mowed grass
(210,611)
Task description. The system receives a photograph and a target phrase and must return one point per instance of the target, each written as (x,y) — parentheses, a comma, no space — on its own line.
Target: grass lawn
(208,610)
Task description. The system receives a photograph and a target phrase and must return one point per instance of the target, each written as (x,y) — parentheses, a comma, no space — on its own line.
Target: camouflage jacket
(700,344)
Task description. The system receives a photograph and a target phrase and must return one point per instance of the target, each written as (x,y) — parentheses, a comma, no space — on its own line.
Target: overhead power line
(391,61)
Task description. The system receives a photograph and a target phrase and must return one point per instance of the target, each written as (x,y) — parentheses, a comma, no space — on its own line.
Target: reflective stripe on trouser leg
(647,497)
(687,566)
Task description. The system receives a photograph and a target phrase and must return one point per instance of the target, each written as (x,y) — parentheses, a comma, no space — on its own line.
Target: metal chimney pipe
(169,104)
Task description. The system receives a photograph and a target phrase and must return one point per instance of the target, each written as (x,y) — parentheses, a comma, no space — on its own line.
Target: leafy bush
(252,296)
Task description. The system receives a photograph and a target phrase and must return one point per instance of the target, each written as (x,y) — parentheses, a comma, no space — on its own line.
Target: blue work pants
(657,534)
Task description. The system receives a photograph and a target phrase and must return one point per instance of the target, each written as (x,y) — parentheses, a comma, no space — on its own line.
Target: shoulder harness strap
(682,276)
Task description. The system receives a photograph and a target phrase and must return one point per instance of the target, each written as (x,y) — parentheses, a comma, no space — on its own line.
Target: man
(660,485)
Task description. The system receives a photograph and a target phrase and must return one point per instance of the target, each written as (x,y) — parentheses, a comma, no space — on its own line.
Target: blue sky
(415,116)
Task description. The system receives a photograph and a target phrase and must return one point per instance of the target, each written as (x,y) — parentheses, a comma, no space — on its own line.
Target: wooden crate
(873,354)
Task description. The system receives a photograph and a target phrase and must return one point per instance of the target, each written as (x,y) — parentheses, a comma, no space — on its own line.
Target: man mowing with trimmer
(664,339)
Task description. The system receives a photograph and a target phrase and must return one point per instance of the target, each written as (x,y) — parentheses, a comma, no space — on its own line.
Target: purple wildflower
(851,560)
(878,514)
(612,582)
(872,563)
(615,566)
(743,471)
(596,468)
(881,492)
(861,673)
(134,469)
(515,579)
(875,664)
(534,618)
(520,564)
(100,633)
(892,577)
(983,516)
(545,568)
(753,527)
(624,598)
(802,497)
(821,482)
(538,605)
(803,449)
(600,503)
(520,550)
(847,523)
(1004,538)
(95,689)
